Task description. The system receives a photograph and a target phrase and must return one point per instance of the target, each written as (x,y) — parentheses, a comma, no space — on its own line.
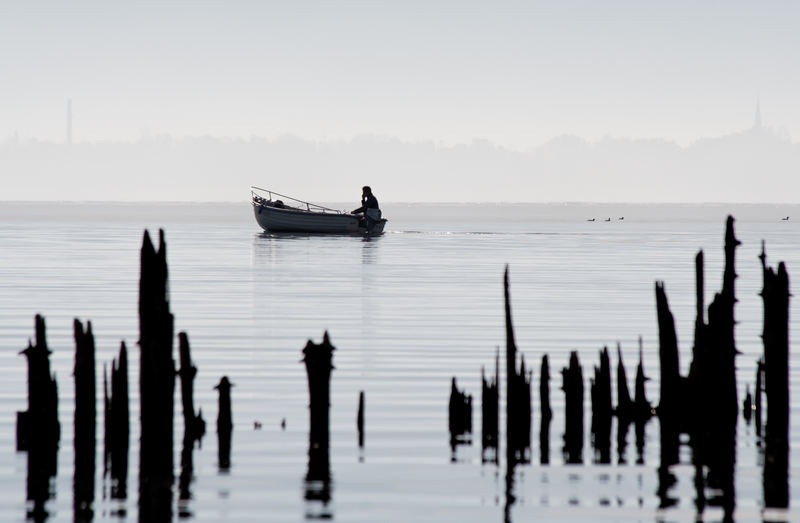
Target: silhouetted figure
(224,423)
(369,206)
(785,219)
(368,201)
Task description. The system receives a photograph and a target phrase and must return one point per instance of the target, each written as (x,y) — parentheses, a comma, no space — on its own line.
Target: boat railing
(308,205)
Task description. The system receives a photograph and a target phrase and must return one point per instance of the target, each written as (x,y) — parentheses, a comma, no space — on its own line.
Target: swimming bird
(785,219)
(621,218)
(608,219)
(590,220)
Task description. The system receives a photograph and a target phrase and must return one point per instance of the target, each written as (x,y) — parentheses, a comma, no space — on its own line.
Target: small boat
(275,215)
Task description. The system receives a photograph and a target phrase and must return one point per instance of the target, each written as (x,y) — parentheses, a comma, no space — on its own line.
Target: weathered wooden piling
(572,385)
(85,421)
(546,411)
(156,383)
(600,390)
(518,394)
(194,427)
(459,416)
(721,340)
(671,389)
(224,423)
(775,295)
(630,411)
(641,406)
(490,413)
(318,361)
(38,429)
(193,424)
(759,391)
(118,432)
(624,402)
(360,419)
(747,405)
(716,424)
(40,421)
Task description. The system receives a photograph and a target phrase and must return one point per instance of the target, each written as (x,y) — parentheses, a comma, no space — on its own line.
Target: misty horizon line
(779,133)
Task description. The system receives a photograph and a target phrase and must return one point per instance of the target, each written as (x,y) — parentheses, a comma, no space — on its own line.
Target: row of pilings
(702,405)
(38,428)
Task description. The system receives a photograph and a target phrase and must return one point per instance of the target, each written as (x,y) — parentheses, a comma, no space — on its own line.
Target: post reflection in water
(318,483)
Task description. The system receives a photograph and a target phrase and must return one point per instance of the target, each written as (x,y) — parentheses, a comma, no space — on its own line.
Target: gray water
(406,312)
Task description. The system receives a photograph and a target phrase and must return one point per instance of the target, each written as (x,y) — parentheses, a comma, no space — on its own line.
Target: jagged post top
(511,346)
(224,384)
(729,274)
(154,262)
(40,348)
(313,351)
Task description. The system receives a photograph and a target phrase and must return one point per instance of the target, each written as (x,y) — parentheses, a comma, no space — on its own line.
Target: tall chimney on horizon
(69,121)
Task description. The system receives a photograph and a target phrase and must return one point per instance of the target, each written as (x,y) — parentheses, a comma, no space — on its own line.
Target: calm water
(406,312)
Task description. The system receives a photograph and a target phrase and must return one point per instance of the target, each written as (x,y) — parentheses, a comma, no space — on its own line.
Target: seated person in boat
(369,204)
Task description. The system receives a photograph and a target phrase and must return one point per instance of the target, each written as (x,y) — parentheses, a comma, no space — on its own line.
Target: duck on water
(274,215)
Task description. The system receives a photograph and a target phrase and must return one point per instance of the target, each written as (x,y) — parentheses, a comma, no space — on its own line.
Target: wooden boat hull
(275,219)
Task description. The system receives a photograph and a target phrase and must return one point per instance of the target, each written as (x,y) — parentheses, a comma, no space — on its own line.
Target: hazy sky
(515,73)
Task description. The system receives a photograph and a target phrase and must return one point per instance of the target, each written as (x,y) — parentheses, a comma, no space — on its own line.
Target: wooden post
(601,409)
(460,416)
(224,423)
(642,410)
(490,405)
(518,394)
(38,429)
(572,385)
(119,425)
(546,411)
(669,402)
(360,420)
(85,421)
(193,424)
(775,294)
(156,383)
(318,361)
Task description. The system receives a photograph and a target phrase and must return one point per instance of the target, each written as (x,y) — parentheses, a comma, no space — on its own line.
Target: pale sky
(514,73)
